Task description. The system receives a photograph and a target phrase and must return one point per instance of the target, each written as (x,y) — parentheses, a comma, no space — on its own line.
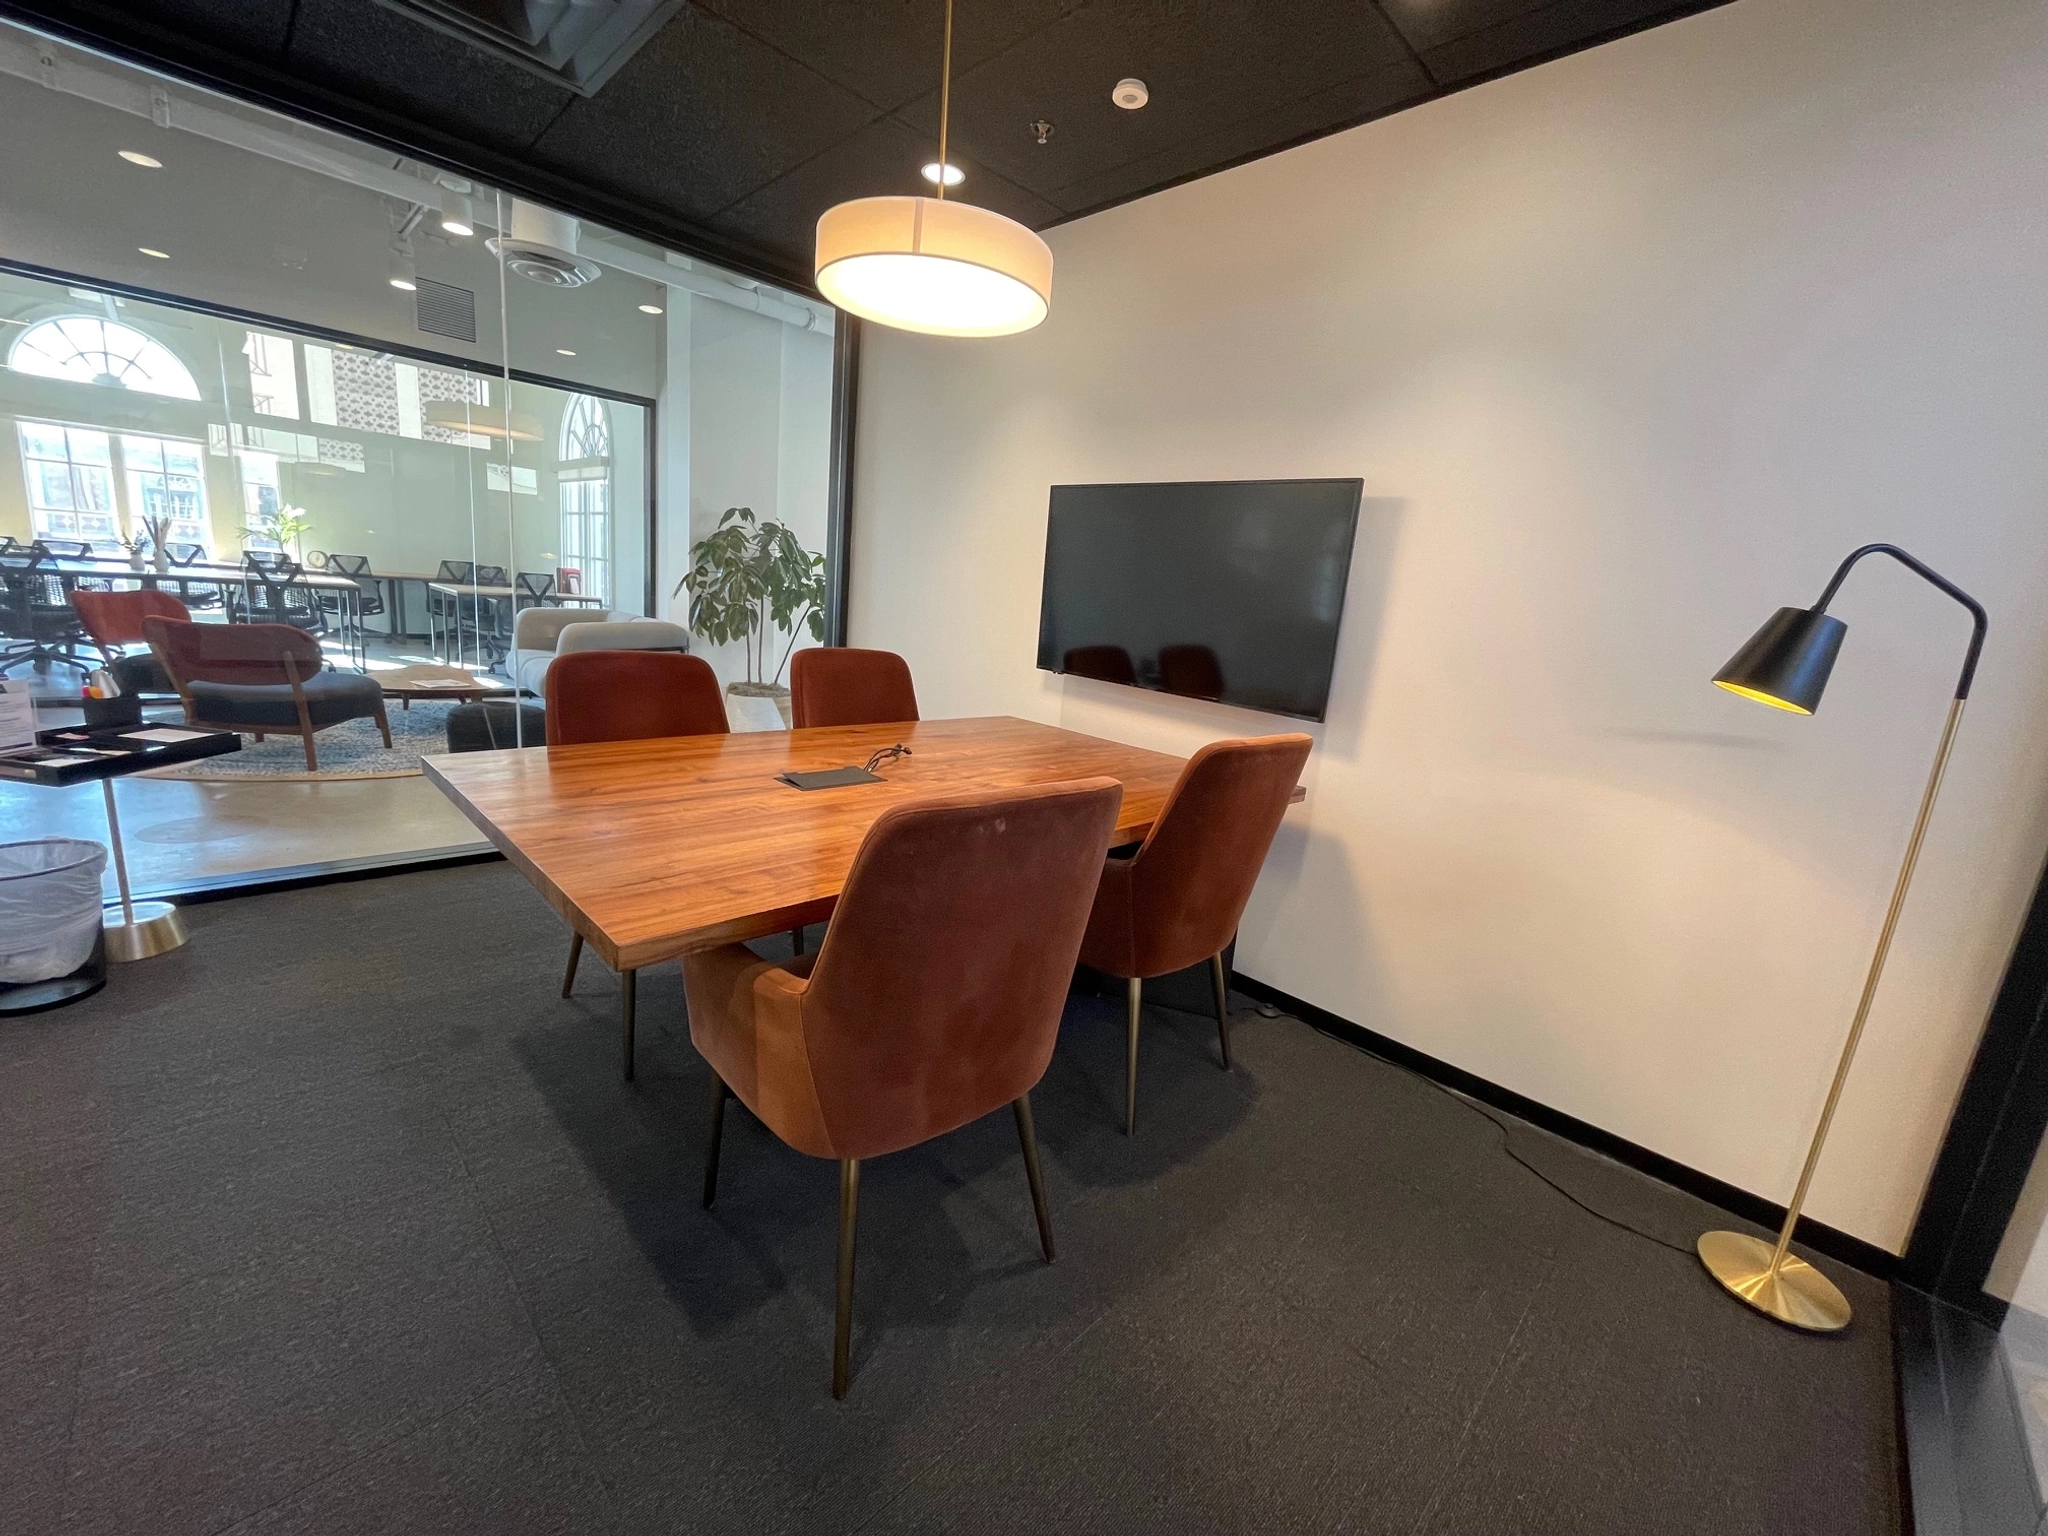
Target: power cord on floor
(1267,1010)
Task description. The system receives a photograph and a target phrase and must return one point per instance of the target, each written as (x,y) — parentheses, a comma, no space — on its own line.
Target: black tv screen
(1222,589)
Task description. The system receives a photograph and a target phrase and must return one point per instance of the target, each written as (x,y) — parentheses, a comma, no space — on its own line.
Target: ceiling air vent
(445,310)
(577,43)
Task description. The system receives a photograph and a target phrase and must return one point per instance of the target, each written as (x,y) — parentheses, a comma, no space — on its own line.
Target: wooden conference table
(652,849)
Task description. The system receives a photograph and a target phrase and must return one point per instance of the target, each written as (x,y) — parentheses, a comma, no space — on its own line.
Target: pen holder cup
(122,709)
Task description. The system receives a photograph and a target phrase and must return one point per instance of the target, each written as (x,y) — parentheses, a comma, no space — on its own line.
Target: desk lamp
(1786,665)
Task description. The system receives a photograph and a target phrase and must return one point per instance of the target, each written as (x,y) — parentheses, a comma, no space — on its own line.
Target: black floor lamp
(1786,665)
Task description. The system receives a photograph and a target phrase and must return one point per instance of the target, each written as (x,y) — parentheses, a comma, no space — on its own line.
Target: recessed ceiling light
(137,157)
(954,175)
(1130,94)
(565,352)
(650,309)
(152,251)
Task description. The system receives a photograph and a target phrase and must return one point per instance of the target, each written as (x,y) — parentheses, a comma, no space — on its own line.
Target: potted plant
(284,527)
(749,580)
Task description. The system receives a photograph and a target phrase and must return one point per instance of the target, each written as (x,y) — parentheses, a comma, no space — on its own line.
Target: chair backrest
(938,992)
(62,549)
(623,635)
(534,584)
(630,696)
(540,629)
(461,572)
(1193,874)
(490,576)
(349,565)
(184,554)
(251,654)
(115,618)
(269,562)
(838,685)
(1105,663)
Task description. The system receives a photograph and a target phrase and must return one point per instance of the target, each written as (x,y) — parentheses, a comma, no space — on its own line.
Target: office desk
(476,596)
(651,849)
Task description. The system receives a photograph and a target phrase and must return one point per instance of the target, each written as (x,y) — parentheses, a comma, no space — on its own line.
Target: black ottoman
(489,724)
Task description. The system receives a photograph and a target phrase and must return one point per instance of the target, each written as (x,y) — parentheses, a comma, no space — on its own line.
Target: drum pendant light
(926,264)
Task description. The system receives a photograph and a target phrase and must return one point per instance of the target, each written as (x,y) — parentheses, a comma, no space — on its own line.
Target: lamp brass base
(1797,1293)
(156,929)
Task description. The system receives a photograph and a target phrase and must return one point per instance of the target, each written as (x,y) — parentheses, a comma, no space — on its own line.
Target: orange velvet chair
(935,998)
(596,696)
(630,696)
(114,619)
(1177,900)
(838,685)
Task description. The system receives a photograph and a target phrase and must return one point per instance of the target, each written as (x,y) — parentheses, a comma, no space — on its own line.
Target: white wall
(1630,349)
(760,435)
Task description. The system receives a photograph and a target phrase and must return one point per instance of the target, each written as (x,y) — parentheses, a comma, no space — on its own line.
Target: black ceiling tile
(412,71)
(1208,64)
(702,115)
(1534,33)
(887,51)
(256,25)
(880,160)
(1432,23)
(1349,102)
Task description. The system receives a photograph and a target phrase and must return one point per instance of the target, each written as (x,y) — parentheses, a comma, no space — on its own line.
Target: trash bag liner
(49,906)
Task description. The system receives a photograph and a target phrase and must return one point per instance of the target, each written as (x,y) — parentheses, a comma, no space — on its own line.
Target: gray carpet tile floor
(340,1219)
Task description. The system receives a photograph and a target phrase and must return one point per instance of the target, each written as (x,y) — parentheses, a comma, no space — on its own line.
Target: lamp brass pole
(1786,665)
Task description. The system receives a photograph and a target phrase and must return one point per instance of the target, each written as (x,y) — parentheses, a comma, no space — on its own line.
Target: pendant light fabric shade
(941,268)
(1787,662)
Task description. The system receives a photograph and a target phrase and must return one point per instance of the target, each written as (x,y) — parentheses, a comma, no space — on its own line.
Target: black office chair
(195,595)
(482,618)
(272,593)
(62,549)
(444,609)
(533,589)
(36,617)
(357,569)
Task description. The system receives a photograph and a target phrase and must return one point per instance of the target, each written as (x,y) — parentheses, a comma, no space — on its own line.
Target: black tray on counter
(79,754)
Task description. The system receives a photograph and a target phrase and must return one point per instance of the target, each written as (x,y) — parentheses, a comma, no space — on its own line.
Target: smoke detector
(541,247)
(1130,94)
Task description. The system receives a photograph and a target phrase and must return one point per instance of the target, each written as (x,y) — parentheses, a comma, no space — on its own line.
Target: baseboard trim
(1822,1238)
(295,877)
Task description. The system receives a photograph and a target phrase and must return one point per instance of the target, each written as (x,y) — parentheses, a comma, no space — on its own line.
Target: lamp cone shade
(1787,662)
(941,268)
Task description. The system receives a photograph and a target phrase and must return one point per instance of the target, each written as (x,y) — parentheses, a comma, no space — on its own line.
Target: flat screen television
(1221,589)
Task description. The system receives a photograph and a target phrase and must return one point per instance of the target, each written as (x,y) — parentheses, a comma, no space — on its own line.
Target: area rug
(352,750)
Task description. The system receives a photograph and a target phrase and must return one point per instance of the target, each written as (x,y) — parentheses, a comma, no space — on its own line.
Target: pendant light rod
(945,98)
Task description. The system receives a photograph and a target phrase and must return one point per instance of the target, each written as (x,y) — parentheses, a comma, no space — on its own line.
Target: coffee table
(425,680)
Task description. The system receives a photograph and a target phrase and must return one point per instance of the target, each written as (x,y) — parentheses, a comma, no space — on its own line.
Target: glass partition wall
(284,376)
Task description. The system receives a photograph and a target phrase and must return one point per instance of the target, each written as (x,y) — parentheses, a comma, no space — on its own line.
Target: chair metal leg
(575,954)
(842,1327)
(796,941)
(718,1096)
(628,985)
(1222,1005)
(1137,997)
(1029,1138)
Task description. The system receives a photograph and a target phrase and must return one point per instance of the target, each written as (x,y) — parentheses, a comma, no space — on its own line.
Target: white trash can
(49,906)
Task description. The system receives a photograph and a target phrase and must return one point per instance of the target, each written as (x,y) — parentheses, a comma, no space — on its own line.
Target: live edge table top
(655,848)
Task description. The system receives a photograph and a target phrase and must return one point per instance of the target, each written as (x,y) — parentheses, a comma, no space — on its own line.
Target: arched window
(89,350)
(585,477)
